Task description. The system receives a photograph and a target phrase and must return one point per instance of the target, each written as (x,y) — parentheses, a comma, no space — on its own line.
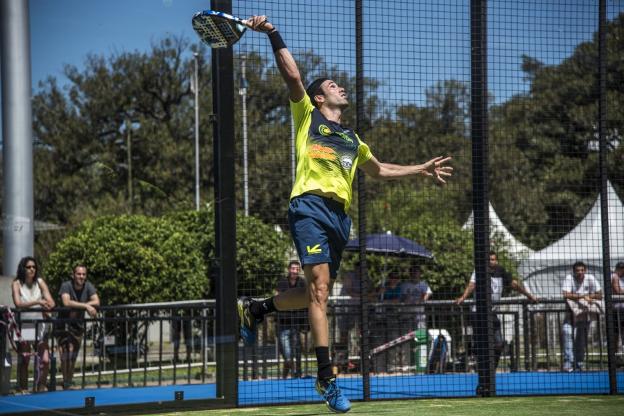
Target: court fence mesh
(508,283)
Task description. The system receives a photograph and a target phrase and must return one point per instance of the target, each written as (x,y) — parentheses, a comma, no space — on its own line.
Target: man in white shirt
(580,290)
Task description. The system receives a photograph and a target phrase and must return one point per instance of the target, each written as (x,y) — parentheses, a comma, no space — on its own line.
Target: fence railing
(173,343)
(128,345)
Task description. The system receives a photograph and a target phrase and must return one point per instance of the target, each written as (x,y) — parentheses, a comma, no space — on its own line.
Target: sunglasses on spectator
(31,267)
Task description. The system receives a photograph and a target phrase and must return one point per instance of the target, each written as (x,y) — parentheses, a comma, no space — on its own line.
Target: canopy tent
(544,270)
(515,247)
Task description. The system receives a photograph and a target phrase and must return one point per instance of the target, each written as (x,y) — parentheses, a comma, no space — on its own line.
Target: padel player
(328,154)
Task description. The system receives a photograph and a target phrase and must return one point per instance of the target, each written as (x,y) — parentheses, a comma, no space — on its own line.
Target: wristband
(276,41)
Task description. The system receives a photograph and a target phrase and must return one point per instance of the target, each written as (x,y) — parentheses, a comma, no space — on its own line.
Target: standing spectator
(500,280)
(617,283)
(390,290)
(416,292)
(79,295)
(291,323)
(30,291)
(581,291)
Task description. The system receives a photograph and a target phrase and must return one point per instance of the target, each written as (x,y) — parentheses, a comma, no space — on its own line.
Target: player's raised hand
(438,168)
(260,24)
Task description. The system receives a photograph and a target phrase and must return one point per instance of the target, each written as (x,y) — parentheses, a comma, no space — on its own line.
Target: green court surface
(502,406)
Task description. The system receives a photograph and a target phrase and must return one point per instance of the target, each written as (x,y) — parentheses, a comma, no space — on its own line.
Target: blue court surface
(302,390)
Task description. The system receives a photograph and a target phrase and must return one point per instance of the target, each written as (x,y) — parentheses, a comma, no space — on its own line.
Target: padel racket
(218,29)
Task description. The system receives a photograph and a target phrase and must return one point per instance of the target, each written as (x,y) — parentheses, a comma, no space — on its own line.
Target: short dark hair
(294,262)
(21,269)
(77,265)
(579,264)
(314,87)
(620,265)
(492,253)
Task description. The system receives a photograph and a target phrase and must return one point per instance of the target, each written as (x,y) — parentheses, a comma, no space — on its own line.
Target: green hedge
(138,259)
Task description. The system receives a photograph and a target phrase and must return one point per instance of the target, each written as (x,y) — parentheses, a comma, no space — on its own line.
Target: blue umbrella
(391,245)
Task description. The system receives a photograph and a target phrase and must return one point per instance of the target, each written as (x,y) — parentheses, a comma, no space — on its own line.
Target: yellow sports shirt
(327,154)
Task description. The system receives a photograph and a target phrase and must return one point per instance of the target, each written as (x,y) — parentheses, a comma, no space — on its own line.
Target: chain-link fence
(526,97)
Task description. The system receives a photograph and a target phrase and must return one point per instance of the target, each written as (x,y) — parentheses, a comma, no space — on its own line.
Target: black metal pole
(361,186)
(479,116)
(604,201)
(225,218)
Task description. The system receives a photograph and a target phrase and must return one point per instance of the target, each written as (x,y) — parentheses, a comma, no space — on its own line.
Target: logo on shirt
(316,151)
(314,249)
(324,130)
(346,161)
(345,137)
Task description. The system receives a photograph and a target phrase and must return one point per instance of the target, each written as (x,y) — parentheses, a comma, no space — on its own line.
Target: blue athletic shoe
(334,398)
(246,321)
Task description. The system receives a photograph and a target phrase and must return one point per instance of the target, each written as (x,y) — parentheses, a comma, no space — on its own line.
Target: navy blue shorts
(320,229)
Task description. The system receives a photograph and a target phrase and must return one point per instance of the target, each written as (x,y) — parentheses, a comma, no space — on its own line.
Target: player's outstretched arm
(284,59)
(436,168)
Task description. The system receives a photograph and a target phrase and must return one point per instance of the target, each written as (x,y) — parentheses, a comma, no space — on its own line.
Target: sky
(433,45)
(65,31)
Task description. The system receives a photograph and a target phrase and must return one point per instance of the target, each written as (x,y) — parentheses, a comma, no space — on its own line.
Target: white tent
(515,247)
(544,270)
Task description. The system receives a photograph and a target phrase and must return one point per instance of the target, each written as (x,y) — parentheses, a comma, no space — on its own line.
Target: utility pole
(243,93)
(195,84)
(129,156)
(17,149)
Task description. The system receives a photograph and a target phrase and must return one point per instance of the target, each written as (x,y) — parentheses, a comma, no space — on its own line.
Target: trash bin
(419,355)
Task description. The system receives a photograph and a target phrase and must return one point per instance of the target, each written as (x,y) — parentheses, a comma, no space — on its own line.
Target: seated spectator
(582,293)
(81,296)
(30,291)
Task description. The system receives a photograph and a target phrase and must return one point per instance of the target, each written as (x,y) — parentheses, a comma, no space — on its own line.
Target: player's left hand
(437,169)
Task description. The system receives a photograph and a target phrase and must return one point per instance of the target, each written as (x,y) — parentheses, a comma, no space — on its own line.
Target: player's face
(335,96)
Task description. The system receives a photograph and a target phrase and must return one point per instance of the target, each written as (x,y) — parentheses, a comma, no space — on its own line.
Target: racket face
(217,29)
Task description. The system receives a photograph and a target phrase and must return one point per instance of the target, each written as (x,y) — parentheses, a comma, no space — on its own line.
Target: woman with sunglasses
(30,291)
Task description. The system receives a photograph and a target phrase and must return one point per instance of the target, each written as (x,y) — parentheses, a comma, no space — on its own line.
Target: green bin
(419,354)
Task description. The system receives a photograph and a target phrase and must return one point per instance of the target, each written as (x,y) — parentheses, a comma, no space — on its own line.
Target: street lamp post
(129,157)
(196,88)
(243,93)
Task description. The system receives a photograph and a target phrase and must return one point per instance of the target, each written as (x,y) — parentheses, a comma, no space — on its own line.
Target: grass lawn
(507,406)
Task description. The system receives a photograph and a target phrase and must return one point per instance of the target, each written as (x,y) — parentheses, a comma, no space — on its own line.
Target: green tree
(543,143)
(82,133)
(132,259)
